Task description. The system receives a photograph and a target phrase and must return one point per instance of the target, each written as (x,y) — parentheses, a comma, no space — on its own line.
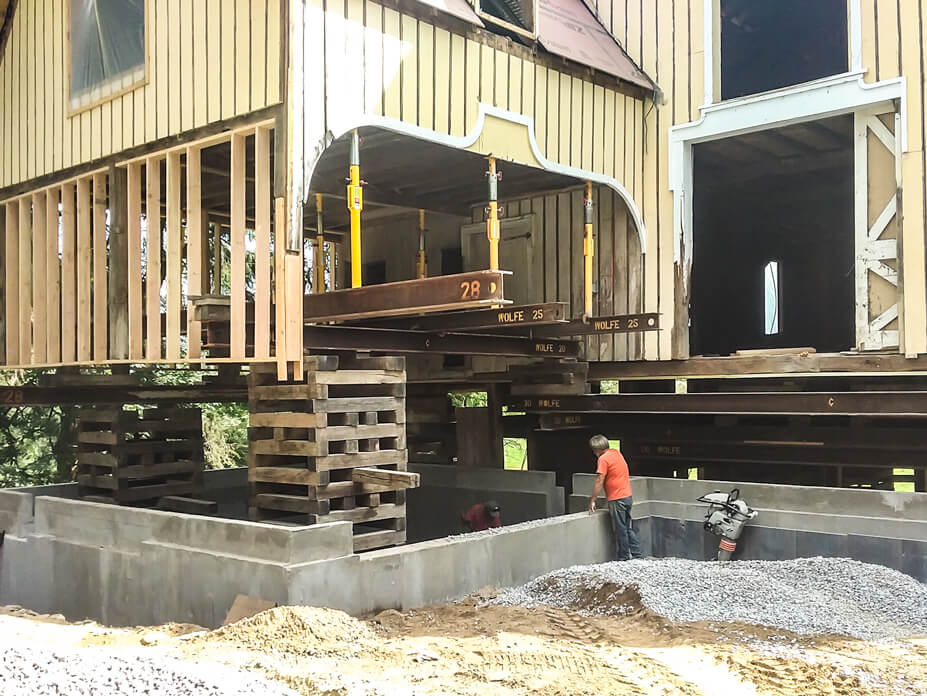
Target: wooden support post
(3,285)
(25,282)
(68,275)
(174,256)
(217,258)
(84,241)
(119,264)
(294,299)
(100,280)
(153,259)
(237,243)
(52,277)
(280,290)
(134,260)
(11,257)
(39,282)
(262,205)
(195,251)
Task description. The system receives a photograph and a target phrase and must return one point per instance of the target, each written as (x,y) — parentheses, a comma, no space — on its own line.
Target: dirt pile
(294,631)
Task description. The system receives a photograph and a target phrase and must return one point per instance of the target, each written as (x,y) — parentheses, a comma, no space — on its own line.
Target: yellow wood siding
(186,85)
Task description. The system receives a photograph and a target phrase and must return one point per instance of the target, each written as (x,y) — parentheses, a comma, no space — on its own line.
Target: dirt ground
(470,648)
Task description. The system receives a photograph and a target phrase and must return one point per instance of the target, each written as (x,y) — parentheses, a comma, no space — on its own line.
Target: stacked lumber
(138,457)
(331,447)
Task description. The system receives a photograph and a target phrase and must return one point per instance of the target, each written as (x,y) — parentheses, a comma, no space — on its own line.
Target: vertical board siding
(207,62)
(100,278)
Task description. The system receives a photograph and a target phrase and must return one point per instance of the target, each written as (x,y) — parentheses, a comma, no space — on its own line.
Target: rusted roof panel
(568,29)
(458,8)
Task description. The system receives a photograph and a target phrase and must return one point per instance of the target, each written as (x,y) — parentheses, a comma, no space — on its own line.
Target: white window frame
(712,39)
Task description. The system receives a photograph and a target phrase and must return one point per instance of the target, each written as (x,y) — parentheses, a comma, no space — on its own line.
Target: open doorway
(773,254)
(768,45)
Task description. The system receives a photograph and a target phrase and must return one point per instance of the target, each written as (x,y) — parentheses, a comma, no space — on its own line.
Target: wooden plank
(52,278)
(408,73)
(242,37)
(280,293)
(200,93)
(153,258)
(392,60)
(286,419)
(358,377)
(500,83)
(548,249)
(472,85)
(337,433)
(25,282)
(262,244)
(216,97)
(84,240)
(174,255)
(563,252)
(442,69)
(300,448)
(160,107)
(237,244)
(275,29)
(11,280)
(258,54)
(334,462)
(868,31)
(195,251)
(134,244)
(68,274)
(385,511)
(100,279)
(373,57)
(147,471)
(295,284)
(386,478)
(118,299)
(426,76)
(285,474)
(39,279)
(889,56)
(290,503)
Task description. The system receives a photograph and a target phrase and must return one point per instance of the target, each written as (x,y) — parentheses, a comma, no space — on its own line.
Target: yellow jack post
(421,264)
(355,205)
(492,222)
(588,251)
(318,281)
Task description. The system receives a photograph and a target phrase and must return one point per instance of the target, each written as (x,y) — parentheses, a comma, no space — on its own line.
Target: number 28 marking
(470,290)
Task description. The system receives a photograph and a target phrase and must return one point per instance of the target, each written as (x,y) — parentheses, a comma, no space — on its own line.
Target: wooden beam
(237,243)
(39,280)
(153,259)
(53,276)
(25,282)
(460,291)
(100,279)
(118,264)
(11,257)
(262,204)
(390,480)
(512,316)
(174,256)
(68,275)
(84,241)
(134,259)
(195,251)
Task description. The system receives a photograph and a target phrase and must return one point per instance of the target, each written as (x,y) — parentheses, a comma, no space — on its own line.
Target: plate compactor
(726,516)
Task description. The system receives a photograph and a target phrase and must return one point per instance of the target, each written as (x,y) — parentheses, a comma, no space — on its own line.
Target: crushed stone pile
(812,596)
(29,670)
(294,631)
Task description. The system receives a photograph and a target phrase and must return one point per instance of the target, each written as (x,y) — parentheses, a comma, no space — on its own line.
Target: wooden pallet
(332,447)
(137,457)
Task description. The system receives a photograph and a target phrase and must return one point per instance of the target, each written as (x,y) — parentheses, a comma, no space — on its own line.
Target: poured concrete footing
(127,566)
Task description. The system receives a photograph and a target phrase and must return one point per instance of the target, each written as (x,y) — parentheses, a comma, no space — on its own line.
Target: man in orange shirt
(612,474)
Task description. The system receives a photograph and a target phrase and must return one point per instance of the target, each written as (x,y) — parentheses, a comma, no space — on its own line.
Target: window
(771,298)
(768,45)
(517,16)
(107,39)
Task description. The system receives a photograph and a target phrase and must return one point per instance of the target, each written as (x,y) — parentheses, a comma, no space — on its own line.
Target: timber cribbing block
(137,457)
(331,447)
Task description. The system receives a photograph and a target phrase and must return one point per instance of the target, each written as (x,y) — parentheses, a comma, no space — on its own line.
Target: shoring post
(355,205)
(492,221)
(421,264)
(318,279)
(588,250)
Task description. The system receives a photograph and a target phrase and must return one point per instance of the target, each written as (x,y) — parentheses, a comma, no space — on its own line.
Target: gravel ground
(34,671)
(812,596)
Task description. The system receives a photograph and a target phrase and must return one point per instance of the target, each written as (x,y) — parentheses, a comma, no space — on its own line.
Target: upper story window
(767,45)
(518,16)
(107,39)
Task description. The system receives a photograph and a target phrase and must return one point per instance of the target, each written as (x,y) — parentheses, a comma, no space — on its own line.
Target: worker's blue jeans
(627,543)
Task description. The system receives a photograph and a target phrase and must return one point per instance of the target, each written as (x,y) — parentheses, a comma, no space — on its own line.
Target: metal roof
(458,8)
(568,29)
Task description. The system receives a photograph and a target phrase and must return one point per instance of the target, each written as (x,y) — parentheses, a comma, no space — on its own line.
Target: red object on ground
(478,519)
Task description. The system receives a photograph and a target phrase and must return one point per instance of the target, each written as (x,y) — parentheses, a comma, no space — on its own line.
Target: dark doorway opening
(768,44)
(773,248)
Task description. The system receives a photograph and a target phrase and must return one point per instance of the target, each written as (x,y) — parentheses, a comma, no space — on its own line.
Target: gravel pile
(34,671)
(813,596)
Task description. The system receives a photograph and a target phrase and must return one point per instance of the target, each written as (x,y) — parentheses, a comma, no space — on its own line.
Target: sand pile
(295,631)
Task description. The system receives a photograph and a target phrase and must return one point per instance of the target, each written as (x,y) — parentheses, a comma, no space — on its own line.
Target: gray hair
(599,442)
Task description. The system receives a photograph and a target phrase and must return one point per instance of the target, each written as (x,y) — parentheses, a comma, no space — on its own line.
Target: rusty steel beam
(875,404)
(398,341)
(505,317)
(459,291)
(618,323)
